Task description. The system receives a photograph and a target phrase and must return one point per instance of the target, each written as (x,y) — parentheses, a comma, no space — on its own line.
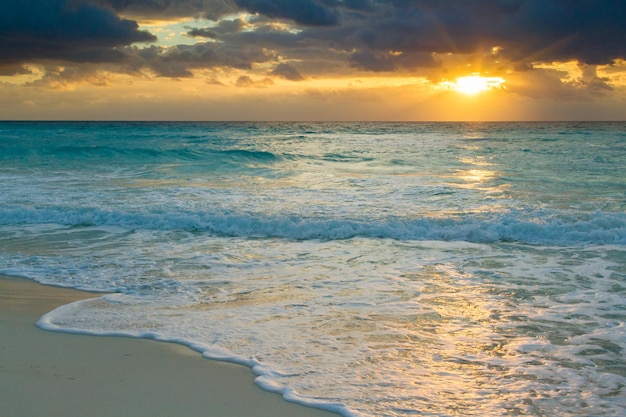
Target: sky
(309,60)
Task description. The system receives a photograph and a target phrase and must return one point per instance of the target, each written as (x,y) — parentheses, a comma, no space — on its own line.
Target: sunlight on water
(426,269)
(473,176)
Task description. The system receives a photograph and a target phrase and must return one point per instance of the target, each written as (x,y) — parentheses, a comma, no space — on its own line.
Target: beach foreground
(367,269)
(56,374)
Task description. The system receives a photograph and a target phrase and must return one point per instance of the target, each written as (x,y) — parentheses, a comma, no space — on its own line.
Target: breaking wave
(542,228)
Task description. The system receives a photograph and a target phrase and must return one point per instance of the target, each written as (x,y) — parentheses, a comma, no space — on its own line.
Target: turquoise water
(373,269)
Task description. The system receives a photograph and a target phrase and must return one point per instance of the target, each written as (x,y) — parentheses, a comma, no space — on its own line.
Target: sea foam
(426,269)
(543,227)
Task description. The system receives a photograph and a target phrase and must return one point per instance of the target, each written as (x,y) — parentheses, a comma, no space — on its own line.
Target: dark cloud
(382,35)
(306,12)
(287,72)
(59,77)
(203,33)
(590,31)
(364,5)
(172,9)
(221,28)
(62,30)
(594,84)
(373,35)
(369,61)
(391,61)
(245,81)
(13,69)
(178,61)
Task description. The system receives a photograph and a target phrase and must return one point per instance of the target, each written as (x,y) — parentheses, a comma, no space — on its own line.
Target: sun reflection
(476,175)
(476,161)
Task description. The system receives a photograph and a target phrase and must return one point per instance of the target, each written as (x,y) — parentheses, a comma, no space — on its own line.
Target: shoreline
(70,375)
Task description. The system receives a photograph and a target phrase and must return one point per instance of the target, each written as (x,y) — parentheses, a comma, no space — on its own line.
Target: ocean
(372,269)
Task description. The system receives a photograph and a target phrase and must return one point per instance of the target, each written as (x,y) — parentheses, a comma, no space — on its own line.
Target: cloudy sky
(313,59)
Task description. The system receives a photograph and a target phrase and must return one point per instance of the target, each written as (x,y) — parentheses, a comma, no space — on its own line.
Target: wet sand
(55,374)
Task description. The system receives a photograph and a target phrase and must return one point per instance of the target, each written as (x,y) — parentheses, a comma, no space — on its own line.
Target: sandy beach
(54,374)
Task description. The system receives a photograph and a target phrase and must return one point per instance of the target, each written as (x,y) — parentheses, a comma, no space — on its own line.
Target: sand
(54,374)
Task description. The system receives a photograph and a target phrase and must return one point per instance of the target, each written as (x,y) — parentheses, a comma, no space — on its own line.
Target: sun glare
(475,84)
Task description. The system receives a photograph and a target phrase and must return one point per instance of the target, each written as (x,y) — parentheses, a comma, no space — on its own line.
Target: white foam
(597,228)
(417,269)
(266,378)
(369,315)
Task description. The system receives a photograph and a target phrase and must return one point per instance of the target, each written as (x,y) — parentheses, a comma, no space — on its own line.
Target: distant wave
(255,155)
(540,228)
(87,154)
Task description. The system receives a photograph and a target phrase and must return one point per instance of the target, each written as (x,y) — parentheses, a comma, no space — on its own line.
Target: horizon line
(301,121)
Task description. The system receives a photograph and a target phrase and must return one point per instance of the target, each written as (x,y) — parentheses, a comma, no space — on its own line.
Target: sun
(474,84)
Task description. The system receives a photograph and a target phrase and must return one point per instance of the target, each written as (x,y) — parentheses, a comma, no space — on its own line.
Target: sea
(370,269)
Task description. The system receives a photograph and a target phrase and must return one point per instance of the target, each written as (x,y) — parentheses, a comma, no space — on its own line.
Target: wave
(250,155)
(98,153)
(522,227)
(166,154)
